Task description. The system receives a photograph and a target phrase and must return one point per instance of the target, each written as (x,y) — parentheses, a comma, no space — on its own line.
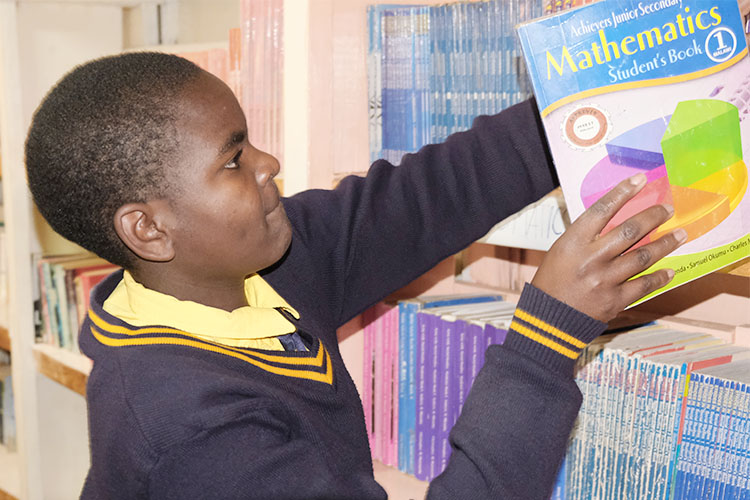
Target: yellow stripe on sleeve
(533,320)
(527,332)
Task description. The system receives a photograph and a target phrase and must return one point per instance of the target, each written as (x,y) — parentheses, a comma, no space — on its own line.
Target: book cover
(659,88)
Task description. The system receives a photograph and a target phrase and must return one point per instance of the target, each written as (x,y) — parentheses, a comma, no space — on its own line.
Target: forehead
(207,112)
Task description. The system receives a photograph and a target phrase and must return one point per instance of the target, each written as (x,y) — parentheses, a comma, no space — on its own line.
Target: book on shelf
(85,279)
(380,380)
(64,283)
(409,365)
(261,68)
(626,88)
(647,427)
(433,69)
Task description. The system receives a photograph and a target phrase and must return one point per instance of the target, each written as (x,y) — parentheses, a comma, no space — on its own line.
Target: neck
(222,294)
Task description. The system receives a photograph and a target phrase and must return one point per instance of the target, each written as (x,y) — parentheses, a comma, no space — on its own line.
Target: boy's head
(143,158)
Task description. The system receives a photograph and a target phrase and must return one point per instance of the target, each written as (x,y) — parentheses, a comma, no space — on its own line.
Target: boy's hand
(591,272)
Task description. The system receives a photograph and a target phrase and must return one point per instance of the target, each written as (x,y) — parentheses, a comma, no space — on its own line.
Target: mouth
(273,203)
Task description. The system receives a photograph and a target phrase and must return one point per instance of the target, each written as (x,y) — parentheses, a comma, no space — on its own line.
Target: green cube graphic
(702,137)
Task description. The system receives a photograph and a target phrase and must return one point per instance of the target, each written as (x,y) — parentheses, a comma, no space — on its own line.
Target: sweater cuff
(550,331)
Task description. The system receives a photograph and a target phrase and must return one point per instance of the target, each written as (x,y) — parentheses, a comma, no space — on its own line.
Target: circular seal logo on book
(585,127)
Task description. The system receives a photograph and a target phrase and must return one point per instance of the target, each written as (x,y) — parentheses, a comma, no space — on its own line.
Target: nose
(267,168)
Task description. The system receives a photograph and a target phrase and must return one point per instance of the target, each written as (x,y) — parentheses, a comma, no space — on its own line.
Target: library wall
(62,35)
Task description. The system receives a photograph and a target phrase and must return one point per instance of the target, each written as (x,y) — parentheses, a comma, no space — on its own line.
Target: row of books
(7,414)
(64,284)
(664,411)
(433,69)
(664,416)
(420,358)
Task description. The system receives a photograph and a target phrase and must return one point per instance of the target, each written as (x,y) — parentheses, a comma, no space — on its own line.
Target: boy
(216,368)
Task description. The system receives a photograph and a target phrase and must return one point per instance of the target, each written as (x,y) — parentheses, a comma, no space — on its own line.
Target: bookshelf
(9,475)
(326,137)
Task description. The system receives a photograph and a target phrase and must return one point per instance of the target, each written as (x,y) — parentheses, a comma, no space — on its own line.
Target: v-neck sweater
(172,416)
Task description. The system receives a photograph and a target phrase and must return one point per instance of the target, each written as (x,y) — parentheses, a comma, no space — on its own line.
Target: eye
(235,161)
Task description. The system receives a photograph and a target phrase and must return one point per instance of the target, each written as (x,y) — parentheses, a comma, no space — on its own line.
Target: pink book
(367,376)
(386,332)
(218,64)
(233,69)
(379,411)
(393,321)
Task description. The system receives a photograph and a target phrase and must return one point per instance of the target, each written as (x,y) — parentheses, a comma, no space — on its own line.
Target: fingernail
(669,208)
(670,274)
(638,179)
(681,235)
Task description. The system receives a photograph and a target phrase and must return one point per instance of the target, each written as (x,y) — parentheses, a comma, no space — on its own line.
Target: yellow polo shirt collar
(255,325)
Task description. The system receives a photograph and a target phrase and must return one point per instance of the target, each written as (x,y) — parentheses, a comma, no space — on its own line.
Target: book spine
(379,390)
(387,395)
(393,322)
(462,369)
(368,378)
(403,368)
(423,383)
(476,355)
(448,377)
(436,366)
(58,283)
(411,389)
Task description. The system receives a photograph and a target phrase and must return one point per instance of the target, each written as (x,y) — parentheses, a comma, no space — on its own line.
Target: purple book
(423,383)
(448,375)
(435,364)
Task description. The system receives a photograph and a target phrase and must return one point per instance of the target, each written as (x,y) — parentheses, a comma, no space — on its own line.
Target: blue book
(405,80)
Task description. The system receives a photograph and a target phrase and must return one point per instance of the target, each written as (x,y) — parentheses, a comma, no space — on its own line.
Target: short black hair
(102,138)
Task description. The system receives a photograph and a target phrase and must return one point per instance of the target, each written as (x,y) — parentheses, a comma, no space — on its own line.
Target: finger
(641,286)
(630,232)
(630,264)
(593,220)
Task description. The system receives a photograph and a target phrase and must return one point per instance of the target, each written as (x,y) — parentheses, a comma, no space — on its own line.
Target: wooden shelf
(10,483)
(64,367)
(4,339)
(741,268)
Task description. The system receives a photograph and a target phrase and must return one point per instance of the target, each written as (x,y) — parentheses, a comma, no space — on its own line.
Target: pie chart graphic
(692,160)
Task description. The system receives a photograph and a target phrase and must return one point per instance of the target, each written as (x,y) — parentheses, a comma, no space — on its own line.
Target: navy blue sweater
(175,417)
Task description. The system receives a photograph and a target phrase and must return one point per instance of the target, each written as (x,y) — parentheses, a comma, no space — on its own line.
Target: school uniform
(181,414)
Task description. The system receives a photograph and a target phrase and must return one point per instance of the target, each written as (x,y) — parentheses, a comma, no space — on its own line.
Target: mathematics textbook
(654,86)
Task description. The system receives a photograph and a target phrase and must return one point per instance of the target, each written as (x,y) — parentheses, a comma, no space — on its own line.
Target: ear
(141,227)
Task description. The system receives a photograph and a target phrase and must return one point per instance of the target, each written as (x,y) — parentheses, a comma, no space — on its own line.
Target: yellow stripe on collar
(322,359)
(108,330)
(254,326)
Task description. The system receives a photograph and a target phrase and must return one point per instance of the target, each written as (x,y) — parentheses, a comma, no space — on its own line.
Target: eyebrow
(236,138)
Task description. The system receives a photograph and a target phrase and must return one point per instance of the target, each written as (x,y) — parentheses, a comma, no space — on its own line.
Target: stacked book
(420,359)
(433,69)
(664,415)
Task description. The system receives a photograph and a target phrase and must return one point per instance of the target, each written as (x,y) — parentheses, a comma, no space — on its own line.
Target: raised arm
(513,431)
(400,221)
